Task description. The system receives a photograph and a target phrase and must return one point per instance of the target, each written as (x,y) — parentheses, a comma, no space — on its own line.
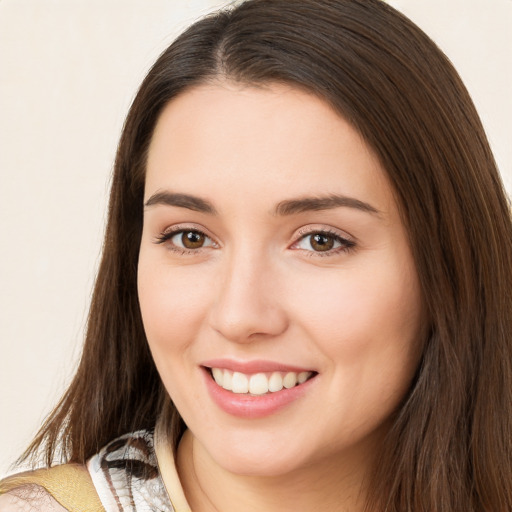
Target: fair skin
(272,244)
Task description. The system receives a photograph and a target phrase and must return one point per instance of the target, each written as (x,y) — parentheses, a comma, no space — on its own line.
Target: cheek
(356,303)
(367,321)
(370,330)
(172,304)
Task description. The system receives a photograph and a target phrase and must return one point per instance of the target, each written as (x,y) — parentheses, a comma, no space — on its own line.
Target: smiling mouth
(258,384)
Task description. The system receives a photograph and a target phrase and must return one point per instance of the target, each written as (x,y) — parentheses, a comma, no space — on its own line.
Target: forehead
(275,140)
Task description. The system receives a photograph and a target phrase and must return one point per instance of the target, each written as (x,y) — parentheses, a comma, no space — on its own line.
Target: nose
(248,304)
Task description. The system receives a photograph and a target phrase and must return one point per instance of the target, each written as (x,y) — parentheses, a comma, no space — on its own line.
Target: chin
(258,455)
(259,467)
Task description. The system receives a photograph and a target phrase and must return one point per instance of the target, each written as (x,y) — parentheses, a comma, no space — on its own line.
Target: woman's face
(273,257)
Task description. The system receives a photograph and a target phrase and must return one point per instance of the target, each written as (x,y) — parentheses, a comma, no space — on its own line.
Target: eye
(323,242)
(189,239)
(185,239)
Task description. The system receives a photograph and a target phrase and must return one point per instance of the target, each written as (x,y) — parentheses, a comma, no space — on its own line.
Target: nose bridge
(247,305)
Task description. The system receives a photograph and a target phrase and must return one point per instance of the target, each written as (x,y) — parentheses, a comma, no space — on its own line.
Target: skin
(258,289)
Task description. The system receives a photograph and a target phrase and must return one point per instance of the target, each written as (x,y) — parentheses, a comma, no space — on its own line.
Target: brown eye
(192,239)
(321,242)
(189,239)
(324,242)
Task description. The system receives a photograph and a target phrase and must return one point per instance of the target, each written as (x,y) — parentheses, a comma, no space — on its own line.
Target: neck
(325,485)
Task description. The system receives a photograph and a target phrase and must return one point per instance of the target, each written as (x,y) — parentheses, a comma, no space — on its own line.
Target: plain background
(68,72)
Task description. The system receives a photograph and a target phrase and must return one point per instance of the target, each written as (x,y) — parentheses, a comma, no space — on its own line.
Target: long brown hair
(449,448)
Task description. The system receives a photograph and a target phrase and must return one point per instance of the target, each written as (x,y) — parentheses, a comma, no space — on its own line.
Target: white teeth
(290,379)
(227,383)
(275,383)
(303,377)
(258,383)
(218,375)
(240,383)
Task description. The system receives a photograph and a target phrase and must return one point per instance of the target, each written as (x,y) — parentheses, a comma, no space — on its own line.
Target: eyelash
(167,235)
(345,246)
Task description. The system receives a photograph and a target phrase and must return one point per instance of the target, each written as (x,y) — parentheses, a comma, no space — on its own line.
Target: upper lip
(251,367)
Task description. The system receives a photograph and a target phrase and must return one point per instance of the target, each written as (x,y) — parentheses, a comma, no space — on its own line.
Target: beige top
(168,471)
(126,475)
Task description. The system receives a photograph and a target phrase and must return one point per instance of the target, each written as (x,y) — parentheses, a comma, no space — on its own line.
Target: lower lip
(253,406)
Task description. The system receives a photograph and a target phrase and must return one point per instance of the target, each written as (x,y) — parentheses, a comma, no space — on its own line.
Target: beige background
(68,72)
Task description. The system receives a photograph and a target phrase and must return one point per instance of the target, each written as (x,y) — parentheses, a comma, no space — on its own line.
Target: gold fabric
(69,484)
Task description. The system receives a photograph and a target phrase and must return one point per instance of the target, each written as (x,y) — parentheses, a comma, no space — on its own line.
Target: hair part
(450,444)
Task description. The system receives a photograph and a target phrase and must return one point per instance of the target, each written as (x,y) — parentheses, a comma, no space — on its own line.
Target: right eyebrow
(182,201)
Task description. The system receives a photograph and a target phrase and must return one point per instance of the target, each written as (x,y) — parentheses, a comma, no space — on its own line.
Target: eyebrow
(284,208)
(182,201)
(307,204)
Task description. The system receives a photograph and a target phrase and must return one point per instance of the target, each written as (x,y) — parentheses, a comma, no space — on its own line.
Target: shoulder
(29,498)
(123,475)
(126,475)
(65,487)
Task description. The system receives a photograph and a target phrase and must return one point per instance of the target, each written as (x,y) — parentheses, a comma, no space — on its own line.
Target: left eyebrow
(307,204)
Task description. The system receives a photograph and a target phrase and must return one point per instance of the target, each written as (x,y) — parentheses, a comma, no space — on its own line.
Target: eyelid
(348,242)
(165,236)
(322,228)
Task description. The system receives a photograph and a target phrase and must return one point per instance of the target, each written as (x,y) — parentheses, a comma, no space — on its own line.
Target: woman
(305,286)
